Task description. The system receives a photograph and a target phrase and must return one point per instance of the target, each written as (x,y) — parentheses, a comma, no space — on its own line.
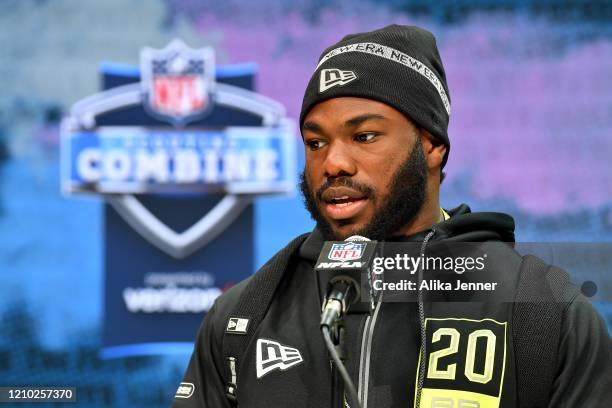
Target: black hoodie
(469,346)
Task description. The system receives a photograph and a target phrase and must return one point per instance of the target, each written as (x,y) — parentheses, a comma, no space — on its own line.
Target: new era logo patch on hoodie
(272,355)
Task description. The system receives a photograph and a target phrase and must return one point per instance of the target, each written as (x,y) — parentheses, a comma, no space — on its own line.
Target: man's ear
(433,149)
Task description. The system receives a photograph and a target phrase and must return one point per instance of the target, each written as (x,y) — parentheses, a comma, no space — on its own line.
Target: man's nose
(339,161)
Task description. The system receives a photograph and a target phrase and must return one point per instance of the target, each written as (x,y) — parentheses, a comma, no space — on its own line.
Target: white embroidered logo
(332,77)
(272,355)
(185,390)
(237,325)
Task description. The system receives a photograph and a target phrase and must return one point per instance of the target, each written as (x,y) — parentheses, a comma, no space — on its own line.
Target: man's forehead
(350,112)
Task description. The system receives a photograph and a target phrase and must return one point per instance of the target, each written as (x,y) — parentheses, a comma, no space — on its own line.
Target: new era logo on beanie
(334,77)
(392,55)
(396,65)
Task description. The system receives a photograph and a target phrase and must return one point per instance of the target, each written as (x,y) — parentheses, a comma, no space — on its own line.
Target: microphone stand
(338,335)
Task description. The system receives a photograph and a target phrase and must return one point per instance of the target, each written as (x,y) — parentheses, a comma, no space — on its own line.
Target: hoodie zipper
(366,345)
(366,348)
(368,334)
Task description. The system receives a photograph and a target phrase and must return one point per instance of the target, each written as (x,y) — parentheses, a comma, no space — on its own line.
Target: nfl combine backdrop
(178,148)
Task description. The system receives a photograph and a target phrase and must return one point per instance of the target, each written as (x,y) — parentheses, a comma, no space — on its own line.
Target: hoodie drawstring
(422,322)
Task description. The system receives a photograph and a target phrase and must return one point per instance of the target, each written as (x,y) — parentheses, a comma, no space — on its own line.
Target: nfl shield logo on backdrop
(346,251)
(178,82)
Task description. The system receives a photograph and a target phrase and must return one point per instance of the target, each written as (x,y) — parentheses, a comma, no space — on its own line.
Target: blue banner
(132,159)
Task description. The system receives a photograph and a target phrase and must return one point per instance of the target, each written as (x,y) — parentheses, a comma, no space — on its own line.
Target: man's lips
(343,202)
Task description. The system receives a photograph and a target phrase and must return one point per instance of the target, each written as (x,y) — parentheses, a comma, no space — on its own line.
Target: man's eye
(365,137)
(314,144)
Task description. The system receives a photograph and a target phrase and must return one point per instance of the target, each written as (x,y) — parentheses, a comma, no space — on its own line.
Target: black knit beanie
(396,65)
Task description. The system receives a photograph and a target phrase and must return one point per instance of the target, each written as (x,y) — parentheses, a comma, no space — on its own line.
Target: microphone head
(348,281)
(347,261)
(357,238)
(347,286)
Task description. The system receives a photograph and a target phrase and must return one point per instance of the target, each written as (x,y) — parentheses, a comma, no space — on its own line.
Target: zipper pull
(230,390)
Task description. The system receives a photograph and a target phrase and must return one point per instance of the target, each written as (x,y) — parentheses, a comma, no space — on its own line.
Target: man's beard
(397,210)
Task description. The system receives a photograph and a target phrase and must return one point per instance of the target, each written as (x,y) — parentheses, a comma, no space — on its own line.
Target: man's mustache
(345,182)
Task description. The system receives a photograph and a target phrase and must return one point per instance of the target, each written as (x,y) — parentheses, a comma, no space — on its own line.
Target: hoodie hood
(467,226)
(463,225)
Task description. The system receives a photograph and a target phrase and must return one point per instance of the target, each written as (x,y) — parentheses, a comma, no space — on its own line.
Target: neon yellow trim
(416,380)
(445,215)
(440,398)
(465,319)
(501,383)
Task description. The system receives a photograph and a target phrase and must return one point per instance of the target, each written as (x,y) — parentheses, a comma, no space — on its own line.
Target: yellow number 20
(449,373)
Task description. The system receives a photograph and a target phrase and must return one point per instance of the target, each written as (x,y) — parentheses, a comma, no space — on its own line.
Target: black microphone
(340,268)
(341,265)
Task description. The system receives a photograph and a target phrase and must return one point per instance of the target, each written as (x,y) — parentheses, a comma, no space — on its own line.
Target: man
(374,123)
